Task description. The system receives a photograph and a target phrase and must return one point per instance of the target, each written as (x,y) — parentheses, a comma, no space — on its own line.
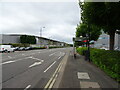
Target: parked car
(28,48)
(117,48)
(16,48)
(104,48)
(22,48)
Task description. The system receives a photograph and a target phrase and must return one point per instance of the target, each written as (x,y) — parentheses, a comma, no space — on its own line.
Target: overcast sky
(59,19)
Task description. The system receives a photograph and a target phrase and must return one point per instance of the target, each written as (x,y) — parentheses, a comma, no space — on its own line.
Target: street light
(89,43)
(118,31)
(41,35)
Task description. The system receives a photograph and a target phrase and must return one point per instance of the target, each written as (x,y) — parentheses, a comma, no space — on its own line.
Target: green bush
(81,50)
(108,61)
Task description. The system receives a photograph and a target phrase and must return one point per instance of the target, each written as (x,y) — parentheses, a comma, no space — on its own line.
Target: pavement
(80,74)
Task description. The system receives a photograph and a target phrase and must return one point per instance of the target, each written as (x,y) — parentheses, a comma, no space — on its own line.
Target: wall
(6,39)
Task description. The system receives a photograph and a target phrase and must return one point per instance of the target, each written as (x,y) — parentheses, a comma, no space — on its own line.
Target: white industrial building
(40,41)
(103,41)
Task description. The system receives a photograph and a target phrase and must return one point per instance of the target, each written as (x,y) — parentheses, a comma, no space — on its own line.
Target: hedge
(81,50)
(108,61)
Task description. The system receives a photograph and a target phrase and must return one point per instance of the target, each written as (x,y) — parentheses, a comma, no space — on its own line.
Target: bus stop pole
(74,51)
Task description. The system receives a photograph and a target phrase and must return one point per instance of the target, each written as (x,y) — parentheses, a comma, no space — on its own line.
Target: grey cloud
(59,19)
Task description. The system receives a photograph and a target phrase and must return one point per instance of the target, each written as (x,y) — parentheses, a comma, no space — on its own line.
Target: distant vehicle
(16,48)
(22,48)
(104,48)
(28,48)
(7,48)
(2,49)
(117,48)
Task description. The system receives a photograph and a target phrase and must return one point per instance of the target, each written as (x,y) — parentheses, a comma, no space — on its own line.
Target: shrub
(81,50)
(108,60)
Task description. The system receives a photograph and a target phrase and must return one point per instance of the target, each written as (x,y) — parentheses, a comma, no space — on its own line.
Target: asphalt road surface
(30,69)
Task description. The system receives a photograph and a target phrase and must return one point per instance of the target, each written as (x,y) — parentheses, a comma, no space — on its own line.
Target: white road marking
(27,87)
(9,57)
(35,64)
(7,62)
(52,54)
(83,75)
(13,61)
(37,59)
(22,59)
(42,60)
(61,54)
(32,53)
(59,57)
(50,66)
(53,78)
(85,84)
(23,54)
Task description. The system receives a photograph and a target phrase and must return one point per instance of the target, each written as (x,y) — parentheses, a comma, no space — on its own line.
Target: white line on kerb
(50,66)
(27,87)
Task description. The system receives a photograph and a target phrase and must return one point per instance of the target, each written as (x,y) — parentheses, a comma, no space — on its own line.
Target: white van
(6,48)
(2,49)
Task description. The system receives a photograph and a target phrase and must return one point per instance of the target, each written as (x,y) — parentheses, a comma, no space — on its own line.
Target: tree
(104,15)
(83,30)
(23,39)
(26,39)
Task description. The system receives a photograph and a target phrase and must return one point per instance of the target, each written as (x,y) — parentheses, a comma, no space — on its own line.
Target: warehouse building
(40,41)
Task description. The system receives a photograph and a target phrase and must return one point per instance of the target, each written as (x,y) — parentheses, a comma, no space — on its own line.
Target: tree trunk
(111,41)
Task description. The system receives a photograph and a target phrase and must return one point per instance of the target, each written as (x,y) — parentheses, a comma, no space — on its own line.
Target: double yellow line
(52,80)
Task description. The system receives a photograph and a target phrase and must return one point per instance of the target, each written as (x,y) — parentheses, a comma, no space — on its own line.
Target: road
(30,69)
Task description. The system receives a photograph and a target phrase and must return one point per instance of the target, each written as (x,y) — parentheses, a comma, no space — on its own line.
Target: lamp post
(41,35)
(89,43)
(118,31)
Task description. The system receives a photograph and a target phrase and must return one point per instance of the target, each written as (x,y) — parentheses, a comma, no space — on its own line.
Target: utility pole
(88,43)
(41,36)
